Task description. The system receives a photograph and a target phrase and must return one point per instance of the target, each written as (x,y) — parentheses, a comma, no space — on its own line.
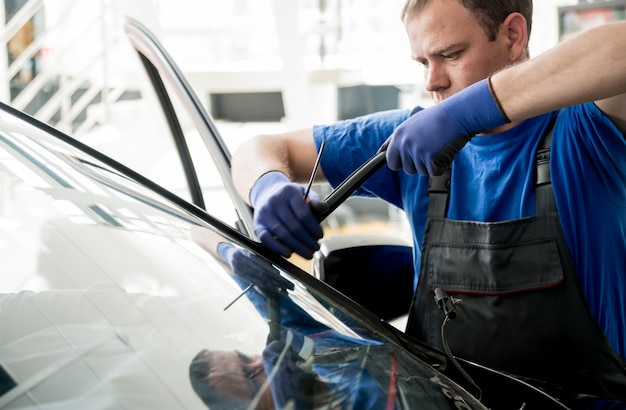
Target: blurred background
(258,66)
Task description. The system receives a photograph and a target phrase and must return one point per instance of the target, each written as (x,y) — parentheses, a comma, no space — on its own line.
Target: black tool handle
(348,186)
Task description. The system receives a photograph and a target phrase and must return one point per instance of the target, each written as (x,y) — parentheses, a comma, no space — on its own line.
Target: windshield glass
(114,297)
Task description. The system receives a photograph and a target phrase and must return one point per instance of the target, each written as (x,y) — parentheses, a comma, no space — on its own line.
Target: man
(542,293)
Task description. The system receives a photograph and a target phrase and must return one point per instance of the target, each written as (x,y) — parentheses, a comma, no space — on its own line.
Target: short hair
(490,13)
(199,372)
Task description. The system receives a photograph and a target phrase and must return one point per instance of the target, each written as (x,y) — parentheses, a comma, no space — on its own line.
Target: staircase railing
(56,96)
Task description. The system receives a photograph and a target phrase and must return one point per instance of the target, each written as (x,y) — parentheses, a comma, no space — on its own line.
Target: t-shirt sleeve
(351,143)
(597,148)
(588,166)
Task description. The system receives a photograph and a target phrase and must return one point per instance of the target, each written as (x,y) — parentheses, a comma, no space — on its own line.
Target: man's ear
(516,33)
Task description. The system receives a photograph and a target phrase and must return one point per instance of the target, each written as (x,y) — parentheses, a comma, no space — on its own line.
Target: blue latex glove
(283,219)
(427,142)
(252,269)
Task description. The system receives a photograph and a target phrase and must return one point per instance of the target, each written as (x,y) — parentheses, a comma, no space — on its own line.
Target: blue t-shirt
(493,180)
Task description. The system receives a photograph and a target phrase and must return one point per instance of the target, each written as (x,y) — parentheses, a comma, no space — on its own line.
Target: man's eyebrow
(442,50)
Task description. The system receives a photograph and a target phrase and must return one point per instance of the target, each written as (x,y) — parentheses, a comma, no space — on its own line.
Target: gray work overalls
(521,309)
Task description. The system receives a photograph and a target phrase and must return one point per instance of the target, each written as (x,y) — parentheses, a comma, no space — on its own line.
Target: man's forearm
(292,153)
(588,67)
(255,158)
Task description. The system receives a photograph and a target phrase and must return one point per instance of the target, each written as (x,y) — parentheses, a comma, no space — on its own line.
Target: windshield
(114,297)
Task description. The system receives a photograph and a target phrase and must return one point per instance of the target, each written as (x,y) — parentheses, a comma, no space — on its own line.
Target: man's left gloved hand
(252,269)
(427,142)
(283,218)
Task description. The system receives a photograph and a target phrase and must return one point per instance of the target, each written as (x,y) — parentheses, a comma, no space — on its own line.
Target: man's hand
(427,142)
(283,218)
(252,269)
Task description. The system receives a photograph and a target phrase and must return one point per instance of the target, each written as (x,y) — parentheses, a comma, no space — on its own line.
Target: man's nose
(436,78)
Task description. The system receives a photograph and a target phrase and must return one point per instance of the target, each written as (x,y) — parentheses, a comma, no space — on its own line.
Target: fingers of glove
(409,162)
(403,149)
(285,223)
(302,212)
(421,168)
(259,272)
(394,161)
(285,237)
(296,238)
(446,155)
(397,157)
(268,239)
(252,269)
(226,251)
(267,216)
(420,144)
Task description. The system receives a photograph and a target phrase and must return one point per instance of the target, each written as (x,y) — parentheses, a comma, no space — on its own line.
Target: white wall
(545,24)
(198,32)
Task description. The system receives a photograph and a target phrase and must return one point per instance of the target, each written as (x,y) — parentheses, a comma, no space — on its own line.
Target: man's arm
(588,67)
(292,153)
(268,172)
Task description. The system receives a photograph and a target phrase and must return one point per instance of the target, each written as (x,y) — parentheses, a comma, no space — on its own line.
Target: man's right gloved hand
(283,219)
(427,142)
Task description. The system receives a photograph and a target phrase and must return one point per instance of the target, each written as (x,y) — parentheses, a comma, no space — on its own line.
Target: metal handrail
(60,109)
(20,18)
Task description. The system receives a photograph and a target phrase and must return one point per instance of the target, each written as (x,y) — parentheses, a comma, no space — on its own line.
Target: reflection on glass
(311,358)
(116,295)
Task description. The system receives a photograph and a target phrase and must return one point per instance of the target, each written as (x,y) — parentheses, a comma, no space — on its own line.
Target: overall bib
(521,309)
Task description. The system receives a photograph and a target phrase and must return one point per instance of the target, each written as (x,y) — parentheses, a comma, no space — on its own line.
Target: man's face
(236,375)
(451,45)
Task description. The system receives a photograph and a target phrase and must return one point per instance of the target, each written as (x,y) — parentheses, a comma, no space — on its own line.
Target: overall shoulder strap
(545,202)
(440,185)
(438,194)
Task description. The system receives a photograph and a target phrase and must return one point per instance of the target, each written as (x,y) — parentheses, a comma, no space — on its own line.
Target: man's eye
(451,56)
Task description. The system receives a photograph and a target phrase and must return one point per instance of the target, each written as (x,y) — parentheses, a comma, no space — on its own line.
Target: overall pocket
(508,278)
